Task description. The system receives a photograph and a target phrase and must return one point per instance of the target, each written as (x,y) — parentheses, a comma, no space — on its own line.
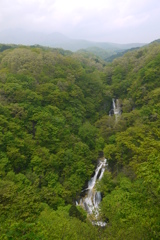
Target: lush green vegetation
(100,52)
(132,193)
(54,121)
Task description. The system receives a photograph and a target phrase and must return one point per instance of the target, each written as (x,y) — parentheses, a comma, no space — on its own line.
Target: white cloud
(91,19)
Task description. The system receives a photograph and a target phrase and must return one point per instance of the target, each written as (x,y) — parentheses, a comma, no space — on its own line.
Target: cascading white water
(116,108)
(93,198)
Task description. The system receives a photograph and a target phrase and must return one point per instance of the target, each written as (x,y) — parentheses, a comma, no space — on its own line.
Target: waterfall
(116,106)
(116,109)
(93,198)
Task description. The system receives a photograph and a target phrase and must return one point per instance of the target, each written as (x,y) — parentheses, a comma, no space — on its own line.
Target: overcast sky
(120,21)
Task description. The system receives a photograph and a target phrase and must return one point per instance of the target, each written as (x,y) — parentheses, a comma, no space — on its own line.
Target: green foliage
(131,188)
(74,212)
(88,134)
(54,120)
(47,103)
(128,206)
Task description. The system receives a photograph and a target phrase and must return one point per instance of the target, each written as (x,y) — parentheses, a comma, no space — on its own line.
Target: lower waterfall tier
(93,198)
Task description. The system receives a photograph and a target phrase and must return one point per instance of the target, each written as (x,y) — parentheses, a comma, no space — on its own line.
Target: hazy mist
(119,21)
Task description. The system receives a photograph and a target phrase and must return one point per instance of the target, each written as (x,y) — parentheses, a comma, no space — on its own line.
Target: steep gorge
(54,120)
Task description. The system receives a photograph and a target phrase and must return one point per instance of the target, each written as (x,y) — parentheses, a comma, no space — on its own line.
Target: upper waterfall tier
(116,106)
(116,109)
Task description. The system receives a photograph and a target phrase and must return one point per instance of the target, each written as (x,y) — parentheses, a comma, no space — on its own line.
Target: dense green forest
(54,120)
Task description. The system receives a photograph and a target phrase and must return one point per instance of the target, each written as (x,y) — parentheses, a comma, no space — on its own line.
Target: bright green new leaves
(54,120)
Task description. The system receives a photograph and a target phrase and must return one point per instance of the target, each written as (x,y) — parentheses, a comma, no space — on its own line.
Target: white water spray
(93,198)
(116,108)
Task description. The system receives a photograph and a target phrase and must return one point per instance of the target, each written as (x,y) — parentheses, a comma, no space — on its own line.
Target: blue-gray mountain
(58,40)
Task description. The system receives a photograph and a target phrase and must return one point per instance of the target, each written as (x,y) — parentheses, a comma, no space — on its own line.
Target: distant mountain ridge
(58,40)
(156,41)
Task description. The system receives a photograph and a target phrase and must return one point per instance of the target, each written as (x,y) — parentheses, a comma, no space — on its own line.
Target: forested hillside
(54,121)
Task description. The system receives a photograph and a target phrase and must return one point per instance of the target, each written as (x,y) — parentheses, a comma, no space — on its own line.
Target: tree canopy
(54,121)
